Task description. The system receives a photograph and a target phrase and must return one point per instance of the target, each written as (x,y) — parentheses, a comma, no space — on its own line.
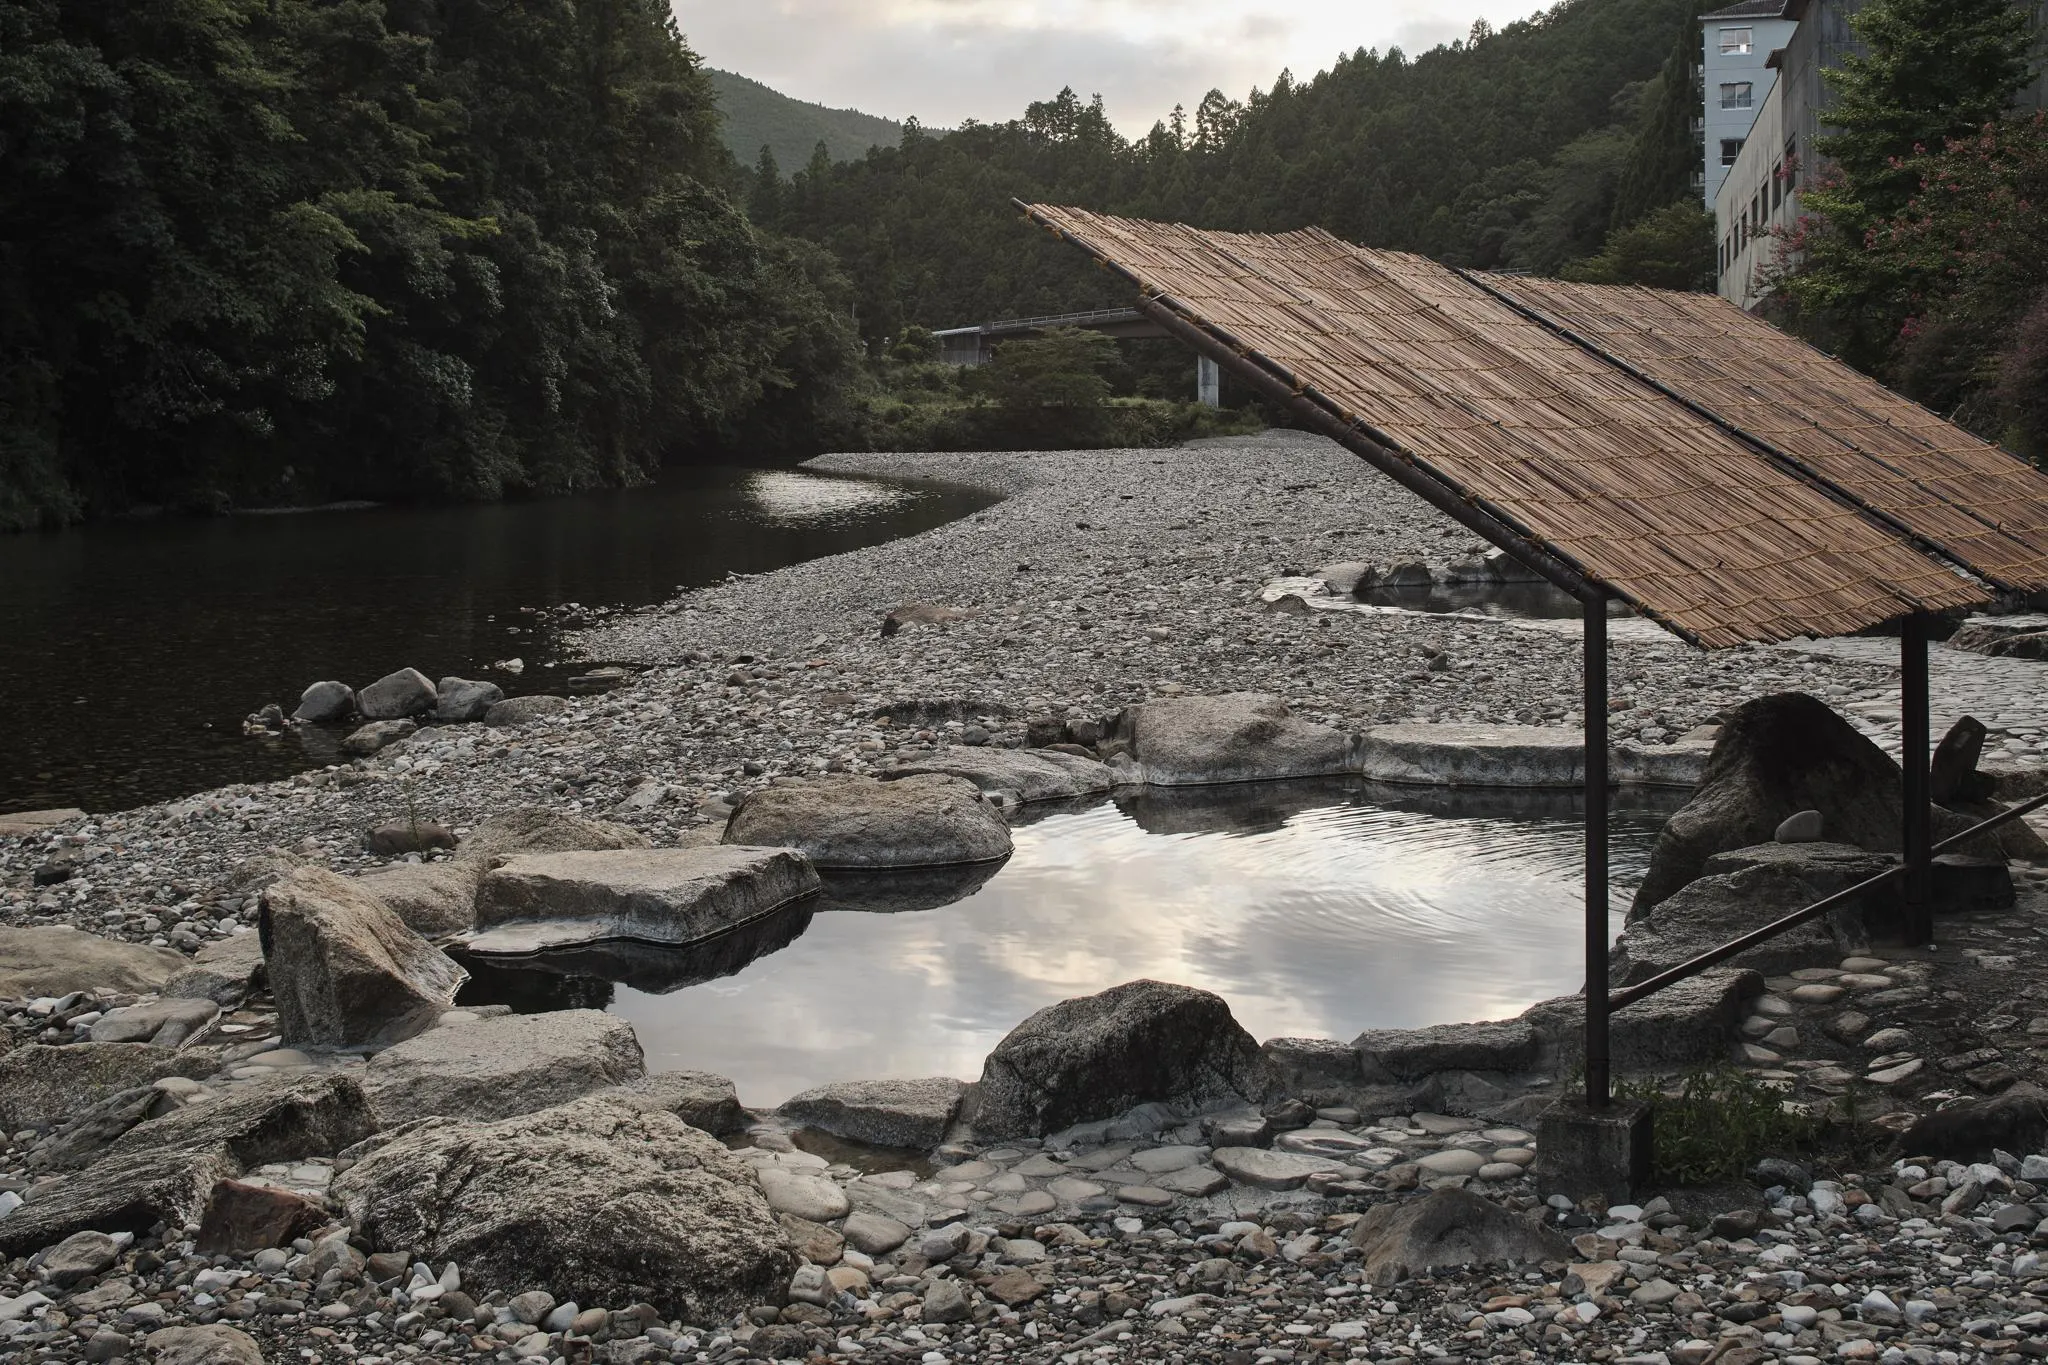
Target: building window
(1737,41)
(1738,95)
(1731,147)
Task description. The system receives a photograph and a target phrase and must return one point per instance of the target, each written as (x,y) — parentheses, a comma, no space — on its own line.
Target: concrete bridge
(976,345)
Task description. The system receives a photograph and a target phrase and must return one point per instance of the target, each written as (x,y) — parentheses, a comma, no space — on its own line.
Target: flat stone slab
(1405,1054)
(1196,1181)
(1271,1170)
(42,1085)
(858,824)
(56,960)
(1235,737)
(16,824)
(807,1196)
(1028,774)
(880,1113)
(501,1067)
(1473,755)
(1537,756)
(536,902)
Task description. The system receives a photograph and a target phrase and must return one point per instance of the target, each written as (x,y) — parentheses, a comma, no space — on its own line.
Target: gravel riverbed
(1104,578)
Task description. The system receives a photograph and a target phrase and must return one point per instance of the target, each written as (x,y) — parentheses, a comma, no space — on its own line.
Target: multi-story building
(1736,43)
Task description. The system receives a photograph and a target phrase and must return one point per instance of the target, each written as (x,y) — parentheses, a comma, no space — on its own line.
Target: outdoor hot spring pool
(1317,909)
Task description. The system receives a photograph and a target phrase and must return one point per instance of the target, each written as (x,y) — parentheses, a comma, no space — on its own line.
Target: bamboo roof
(1975,501)
(1589,465)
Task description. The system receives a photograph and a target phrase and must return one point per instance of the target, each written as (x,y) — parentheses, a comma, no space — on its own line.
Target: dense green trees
(1512,149)
(1923,253)
(294,249)
(754,117)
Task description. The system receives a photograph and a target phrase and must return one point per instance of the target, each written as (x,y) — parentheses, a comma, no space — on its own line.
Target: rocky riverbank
(1224,1201)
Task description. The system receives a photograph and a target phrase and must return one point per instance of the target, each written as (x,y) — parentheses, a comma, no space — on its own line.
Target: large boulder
(1980,633)
(438,900)
(1978,1129)
(538,829)
(169,1021)
(127,1194)
(496,1068)
(283,1118)
(41,1086)
(1473,755)
(459,699)
(1447,1229)
(591,1201)
(1099,1055)
(535,902)
(224,971)
(1747,888)
(397,696)
(1236,737)
(277,1119)
(325,703)
(858,823)
(215,1345)
(377,736)
(698,1098)
(434,900)
(345,971)
(1777,756)
(1687,1023)
(1024,775)
(57,960)
(880,1113)
(1412,1053)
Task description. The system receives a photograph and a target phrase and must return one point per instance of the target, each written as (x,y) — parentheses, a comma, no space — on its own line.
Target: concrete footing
(1582,1151)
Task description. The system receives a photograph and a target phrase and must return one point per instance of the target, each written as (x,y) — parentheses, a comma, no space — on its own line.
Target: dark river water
(129,652)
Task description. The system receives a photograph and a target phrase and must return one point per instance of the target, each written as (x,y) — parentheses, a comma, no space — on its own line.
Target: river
(132,650)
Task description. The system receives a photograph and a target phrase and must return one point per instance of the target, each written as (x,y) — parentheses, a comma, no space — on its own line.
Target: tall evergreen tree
(1934,70)
(764,204)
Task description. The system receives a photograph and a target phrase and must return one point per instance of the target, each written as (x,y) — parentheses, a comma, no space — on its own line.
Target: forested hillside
(752,116)
(1511,149)
(286,250)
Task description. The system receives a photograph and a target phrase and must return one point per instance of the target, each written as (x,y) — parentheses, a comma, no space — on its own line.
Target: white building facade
(1758,203)
(1736,45)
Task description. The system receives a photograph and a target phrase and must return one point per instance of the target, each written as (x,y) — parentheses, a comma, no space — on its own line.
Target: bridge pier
(1208,382)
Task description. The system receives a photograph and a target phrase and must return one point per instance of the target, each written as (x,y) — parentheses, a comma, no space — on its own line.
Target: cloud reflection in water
(1314,912)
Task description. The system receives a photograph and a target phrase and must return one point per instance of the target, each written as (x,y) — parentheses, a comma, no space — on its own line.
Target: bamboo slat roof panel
(1657,503)
(1963,493)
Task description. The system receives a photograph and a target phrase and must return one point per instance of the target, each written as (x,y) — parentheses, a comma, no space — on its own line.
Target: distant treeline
(287,250)
(1562,143)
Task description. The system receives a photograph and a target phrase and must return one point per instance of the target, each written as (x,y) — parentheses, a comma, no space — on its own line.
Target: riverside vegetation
(294,252)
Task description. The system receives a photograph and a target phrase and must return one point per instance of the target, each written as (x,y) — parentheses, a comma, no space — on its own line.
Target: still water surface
(1316,909)
(133,650)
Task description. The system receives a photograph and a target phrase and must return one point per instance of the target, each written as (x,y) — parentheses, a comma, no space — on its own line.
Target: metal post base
(1582,1151)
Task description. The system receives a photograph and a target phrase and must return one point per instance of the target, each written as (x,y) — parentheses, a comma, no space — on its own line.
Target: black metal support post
(1914,737)
(1598,1092)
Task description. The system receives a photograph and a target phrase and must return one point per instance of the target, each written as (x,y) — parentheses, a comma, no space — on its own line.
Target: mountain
(757,117)
(1509,149)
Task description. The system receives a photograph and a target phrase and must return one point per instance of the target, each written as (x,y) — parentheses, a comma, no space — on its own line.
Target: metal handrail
(1714,956)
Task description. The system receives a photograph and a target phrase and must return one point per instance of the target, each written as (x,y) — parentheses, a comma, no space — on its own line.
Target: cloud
(949,60)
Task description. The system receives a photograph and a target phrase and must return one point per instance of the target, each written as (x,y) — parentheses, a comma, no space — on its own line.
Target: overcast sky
(946,60)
